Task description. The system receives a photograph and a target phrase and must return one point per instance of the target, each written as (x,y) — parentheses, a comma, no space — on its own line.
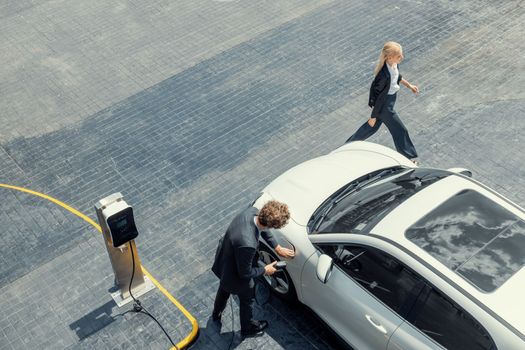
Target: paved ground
(189,109)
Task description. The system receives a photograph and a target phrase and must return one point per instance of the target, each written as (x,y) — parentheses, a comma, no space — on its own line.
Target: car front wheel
(280,282)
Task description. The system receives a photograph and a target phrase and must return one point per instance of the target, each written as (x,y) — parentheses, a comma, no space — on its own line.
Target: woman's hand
(414,89)
(372,122)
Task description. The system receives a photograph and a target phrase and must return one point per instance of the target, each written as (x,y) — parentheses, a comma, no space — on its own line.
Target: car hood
(304,187)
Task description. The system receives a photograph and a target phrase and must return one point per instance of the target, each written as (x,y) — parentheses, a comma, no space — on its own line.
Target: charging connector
(280,265)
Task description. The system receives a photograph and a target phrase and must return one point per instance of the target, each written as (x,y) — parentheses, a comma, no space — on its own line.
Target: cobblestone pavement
(189,109)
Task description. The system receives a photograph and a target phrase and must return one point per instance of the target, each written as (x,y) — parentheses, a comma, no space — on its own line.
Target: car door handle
(289,244)
(376,325)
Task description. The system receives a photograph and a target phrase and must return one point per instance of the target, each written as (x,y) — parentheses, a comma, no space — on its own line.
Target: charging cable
(137,306)
(233,333)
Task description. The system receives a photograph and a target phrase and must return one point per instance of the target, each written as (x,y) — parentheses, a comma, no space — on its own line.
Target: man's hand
(284,252)
(270,269)
(372,122)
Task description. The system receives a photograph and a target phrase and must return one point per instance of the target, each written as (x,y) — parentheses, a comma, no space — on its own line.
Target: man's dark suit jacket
(238,252)
(379,90)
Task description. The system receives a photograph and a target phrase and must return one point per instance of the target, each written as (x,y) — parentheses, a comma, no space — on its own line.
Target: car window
(379,273)
(450,326)
(473,236)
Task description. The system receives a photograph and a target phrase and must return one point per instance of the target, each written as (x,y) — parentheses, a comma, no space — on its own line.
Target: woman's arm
(414,88)
(378,84)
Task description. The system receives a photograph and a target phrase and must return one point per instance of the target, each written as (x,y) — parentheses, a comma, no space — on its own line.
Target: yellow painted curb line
(190,338)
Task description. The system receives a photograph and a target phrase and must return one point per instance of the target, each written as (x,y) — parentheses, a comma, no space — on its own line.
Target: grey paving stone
(189,109)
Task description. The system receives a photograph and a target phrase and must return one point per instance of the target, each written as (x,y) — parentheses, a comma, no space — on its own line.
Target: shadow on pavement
(94,321)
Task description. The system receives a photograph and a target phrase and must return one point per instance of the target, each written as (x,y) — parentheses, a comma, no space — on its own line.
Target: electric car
(394,256)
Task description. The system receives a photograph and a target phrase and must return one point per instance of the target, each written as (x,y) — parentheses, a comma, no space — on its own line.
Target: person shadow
(212,336)
(226,334)
(288,323)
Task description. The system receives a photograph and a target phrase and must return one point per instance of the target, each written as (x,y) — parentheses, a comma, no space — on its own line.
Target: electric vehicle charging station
(116,220)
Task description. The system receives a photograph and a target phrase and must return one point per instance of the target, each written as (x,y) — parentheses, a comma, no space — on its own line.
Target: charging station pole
(115,217)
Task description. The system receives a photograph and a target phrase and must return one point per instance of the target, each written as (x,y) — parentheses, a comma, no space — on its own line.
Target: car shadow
(297,317)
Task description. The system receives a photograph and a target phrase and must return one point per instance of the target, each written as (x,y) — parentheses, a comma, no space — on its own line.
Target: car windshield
(361,207)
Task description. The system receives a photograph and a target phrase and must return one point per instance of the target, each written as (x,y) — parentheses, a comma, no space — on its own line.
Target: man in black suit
(236,260)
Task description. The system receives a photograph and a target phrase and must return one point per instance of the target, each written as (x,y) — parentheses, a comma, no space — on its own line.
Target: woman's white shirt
(394,75)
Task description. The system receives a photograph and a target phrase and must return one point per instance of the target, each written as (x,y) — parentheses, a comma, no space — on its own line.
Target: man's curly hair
(274,214)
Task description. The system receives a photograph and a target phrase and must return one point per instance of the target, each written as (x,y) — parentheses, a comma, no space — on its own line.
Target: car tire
(280,283)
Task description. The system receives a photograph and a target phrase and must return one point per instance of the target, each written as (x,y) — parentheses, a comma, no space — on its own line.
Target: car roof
(417,208)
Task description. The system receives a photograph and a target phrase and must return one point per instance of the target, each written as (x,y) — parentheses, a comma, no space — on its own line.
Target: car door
(437,322)
(364,296)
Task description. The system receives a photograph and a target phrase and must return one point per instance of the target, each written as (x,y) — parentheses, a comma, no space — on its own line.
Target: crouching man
(236,261)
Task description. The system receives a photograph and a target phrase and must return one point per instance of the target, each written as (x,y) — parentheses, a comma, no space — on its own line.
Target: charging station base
(146,287)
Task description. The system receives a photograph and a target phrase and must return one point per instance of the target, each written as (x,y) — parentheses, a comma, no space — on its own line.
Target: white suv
(393,256)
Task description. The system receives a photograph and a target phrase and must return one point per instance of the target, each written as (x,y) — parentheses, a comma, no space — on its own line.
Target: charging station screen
(122,227)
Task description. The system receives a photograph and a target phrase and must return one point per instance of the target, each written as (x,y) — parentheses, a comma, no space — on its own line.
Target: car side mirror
(324,267)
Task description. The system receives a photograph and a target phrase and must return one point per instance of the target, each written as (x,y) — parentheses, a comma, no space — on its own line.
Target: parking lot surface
(189,109)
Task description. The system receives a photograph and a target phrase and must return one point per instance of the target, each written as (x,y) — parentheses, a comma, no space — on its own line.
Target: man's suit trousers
(246,304)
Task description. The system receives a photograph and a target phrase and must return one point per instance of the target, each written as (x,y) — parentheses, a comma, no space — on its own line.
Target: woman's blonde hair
(390,48)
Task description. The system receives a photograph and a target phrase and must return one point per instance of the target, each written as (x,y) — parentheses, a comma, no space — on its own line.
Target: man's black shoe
(216,317)
(256,328)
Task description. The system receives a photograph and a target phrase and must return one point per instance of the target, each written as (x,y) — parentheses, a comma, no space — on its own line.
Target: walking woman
(382,99)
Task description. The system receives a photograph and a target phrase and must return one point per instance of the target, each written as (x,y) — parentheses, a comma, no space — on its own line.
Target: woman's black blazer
(379,90)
